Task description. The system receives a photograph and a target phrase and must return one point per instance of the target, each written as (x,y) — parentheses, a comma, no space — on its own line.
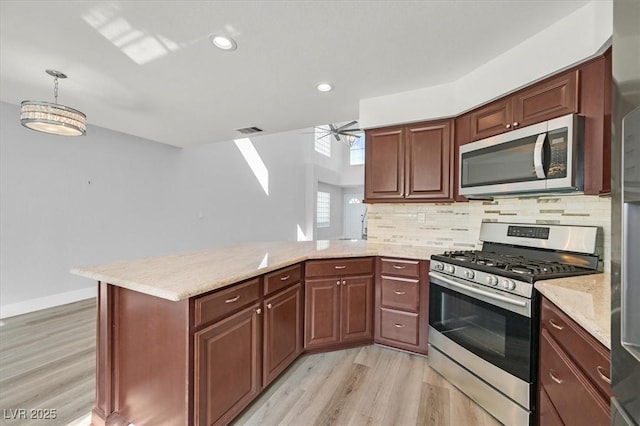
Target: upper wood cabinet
(551,98)
(410,163)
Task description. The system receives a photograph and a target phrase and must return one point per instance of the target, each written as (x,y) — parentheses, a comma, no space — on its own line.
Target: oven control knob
(469,274)
(491,280)
(508,284)
(438,266)
(450,269)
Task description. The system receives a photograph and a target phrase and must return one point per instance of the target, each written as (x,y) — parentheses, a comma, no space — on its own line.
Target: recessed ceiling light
(224,42)
(324,87)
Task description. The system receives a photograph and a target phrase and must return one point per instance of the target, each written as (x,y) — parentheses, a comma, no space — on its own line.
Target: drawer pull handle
(400,293)
(269,306)
(399,267)
(554,378)
(554,325)
(395,324)
(341,266)
(286,277)
(602,375)
(233,299)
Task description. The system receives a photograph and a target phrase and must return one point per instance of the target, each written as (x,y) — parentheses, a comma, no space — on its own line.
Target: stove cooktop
(512,265)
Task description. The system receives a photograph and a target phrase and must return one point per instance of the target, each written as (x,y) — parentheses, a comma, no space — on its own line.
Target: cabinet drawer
(400,267)
(400,293)
(399,326)
(223,302)
(339,267)
(589,354)
(282,278)
(575,398)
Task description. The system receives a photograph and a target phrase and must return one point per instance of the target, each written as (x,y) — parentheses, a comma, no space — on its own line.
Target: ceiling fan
(350,134)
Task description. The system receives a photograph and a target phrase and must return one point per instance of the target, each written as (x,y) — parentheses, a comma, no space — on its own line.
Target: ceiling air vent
(248,130)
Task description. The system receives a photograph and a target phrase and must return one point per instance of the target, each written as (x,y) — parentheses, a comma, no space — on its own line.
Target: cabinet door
(429,161)
(322,314)
(546,100)
(357,308)
(282,331)
(384,164)
(226,367)
(491,119)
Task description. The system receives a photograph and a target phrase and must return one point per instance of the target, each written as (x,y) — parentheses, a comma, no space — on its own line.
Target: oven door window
(500,337)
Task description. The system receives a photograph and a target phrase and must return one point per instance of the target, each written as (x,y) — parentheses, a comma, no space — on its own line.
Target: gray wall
(67,202)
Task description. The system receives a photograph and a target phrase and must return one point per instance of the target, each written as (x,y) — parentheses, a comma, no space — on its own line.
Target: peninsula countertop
(180,276)
(586,299)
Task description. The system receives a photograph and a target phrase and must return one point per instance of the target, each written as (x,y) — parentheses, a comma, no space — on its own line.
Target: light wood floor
(47,360)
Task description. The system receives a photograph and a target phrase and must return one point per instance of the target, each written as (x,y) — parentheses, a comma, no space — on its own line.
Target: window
(323,210)
(356,153)
(323,140)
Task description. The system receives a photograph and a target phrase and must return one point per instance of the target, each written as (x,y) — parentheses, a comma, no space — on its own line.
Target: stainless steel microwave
(543,157)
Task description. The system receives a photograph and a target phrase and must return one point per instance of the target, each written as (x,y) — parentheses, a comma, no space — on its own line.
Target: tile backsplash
(457,225)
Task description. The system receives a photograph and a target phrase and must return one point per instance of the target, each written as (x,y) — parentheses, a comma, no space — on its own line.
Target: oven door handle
(470,289)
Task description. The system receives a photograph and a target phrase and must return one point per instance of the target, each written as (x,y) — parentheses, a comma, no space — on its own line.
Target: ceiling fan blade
(347,125)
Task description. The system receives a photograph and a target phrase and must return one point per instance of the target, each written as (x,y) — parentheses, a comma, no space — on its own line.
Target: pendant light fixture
(53,118)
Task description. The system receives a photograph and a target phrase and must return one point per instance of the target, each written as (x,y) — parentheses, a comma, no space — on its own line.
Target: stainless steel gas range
(483,310)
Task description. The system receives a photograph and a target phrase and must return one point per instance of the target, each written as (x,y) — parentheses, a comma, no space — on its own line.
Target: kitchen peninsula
(166,323)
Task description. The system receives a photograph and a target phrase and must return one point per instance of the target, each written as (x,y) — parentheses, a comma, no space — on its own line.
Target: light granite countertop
(180,276)
(586,299)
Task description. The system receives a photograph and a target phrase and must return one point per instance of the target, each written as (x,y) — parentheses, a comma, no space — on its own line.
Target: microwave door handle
(538,160)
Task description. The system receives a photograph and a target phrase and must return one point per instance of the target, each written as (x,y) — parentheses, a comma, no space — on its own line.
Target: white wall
(67,202)
(567,42)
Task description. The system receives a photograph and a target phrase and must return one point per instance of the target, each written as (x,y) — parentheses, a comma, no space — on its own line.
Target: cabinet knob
(269,306)
(508,126)
(258,311)
(338,282)
(516,124)
(344,282)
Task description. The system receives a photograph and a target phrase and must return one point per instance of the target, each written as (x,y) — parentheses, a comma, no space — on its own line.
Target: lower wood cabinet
(401,304)
(338,310)
(227,365)
(574,371)
(282,334)
(338,306)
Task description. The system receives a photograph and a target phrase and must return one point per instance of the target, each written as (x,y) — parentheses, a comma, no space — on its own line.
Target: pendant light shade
(51,117)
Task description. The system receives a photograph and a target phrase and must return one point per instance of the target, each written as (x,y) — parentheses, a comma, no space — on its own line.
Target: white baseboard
(39,303)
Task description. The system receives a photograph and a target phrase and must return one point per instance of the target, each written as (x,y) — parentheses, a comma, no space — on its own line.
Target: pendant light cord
(55,88)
